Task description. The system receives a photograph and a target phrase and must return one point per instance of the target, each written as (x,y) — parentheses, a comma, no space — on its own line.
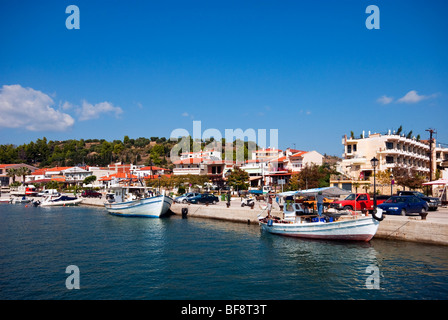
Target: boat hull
(153,207)
(61,203)
(357,229)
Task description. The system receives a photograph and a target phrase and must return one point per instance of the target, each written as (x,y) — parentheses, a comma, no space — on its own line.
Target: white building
(203,154)
(269,166)
(266,154)
(149,171)
(389,149)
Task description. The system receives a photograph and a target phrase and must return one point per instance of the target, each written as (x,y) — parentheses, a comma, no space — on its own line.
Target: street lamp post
(374,162)
(391,184)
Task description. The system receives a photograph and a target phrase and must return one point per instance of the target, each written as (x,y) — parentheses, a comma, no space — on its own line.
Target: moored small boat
(62,200)
(298,222)
(127,204)
(358,228)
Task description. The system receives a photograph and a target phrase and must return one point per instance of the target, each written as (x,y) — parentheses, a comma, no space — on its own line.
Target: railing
(186,171)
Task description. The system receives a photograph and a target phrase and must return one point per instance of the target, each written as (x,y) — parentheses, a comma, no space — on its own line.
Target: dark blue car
(203,198)
(404,205)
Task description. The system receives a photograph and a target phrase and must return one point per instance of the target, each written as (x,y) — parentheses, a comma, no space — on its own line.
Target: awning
(439,182)
(326,191)
(39,181)
(255,178)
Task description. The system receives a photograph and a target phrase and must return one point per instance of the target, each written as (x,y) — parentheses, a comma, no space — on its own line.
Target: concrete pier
(409,228)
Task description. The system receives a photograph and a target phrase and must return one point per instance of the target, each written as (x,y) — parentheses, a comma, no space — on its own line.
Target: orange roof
(152,168)
(43,170)
(297,155)
(120,175)
(281,159)
(123,175)
(295,150)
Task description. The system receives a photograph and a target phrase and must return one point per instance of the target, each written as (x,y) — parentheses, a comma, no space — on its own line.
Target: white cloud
(30,109)
(89,111)
(411,97)
(186,114)
(385,100)
(306,112)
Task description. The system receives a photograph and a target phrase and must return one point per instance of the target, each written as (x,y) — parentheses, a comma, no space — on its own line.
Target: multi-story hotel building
(390,149)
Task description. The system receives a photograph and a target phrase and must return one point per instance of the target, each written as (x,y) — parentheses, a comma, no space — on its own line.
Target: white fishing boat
(298,222)
(128,204)
(61,201)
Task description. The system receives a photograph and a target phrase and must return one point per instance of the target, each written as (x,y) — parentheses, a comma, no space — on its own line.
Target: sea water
(195,259)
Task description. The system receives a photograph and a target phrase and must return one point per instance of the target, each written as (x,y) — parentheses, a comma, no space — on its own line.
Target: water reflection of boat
(128,204)
(299,223)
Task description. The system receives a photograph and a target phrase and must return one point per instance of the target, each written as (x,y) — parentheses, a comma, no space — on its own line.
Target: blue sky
(310,69)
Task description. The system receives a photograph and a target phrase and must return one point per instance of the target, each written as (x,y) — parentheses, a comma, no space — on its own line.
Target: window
(354,147)
(389,159)
(349,148)
(389,145)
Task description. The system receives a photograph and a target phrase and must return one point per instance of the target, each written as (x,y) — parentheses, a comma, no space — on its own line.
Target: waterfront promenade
(409,228)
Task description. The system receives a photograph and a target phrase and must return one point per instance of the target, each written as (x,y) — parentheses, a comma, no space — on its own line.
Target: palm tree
(12,174)
(23,171)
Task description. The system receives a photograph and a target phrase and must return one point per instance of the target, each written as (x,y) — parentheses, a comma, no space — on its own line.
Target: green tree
(89,179)
(311,176)
(12,173)
(238,179)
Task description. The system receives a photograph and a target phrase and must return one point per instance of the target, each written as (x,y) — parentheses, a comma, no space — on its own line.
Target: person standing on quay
(269,204)
(320,202)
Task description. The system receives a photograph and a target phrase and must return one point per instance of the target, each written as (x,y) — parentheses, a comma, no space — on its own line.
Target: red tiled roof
(297,155)
(281,159)
(120,175)
(43,170)
(151,168)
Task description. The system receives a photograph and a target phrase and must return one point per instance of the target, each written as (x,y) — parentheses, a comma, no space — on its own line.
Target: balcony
(183,171)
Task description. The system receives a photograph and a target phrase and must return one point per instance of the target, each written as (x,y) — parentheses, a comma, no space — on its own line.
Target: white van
(48,192)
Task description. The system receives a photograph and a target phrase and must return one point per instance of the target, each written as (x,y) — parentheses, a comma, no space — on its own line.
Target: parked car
(433,203)
(91,194)
(363,202)
(203,198)
(183,198)
(404,205)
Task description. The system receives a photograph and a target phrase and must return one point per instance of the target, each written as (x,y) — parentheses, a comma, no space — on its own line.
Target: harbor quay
(433,230)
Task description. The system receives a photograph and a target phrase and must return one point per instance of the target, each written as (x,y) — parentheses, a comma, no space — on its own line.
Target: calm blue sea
(194,259)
